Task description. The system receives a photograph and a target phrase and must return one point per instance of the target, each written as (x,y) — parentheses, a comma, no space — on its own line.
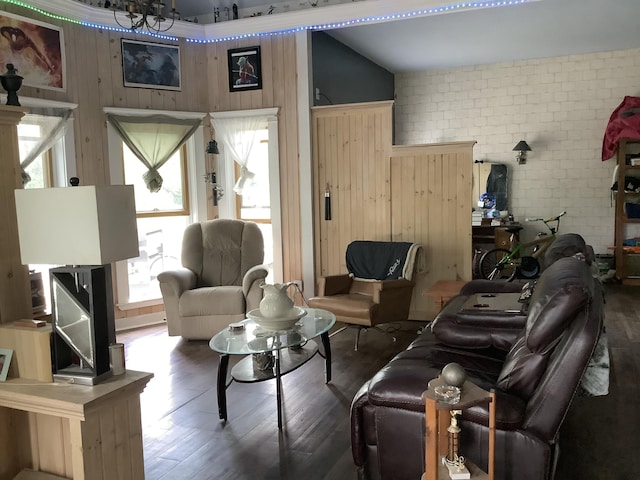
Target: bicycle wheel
(494,265)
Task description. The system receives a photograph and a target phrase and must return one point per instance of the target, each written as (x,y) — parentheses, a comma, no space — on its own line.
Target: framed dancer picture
(245,69)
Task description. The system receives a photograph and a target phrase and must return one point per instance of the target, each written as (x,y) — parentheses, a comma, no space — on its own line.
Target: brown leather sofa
(535,382)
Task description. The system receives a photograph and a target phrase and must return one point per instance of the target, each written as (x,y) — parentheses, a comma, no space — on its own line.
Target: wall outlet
(317,94)
(298,284)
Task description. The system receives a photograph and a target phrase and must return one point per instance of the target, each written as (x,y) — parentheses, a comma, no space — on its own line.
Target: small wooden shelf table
(74,431)
(443,290)
(437,420)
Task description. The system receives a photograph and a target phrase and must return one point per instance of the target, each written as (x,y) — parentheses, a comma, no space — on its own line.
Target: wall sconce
(522,148)
(218,191)
(212,147)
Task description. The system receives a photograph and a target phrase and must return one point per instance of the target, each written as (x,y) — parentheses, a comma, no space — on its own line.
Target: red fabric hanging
(624,123)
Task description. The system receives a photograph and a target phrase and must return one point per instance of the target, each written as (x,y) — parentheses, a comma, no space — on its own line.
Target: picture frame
(151,65)
(36,49)
(245,69)
(5,362)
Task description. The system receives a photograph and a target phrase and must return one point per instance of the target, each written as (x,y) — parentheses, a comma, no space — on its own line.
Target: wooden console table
(74,431)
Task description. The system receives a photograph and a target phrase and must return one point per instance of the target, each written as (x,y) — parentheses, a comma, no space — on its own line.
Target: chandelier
(147,14)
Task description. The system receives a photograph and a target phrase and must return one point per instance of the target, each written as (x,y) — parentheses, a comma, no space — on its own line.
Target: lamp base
(80,379)
(83,323)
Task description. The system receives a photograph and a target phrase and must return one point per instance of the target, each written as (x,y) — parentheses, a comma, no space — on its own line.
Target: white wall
(560,106)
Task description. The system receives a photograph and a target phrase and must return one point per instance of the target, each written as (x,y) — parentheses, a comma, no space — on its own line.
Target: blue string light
(346,23)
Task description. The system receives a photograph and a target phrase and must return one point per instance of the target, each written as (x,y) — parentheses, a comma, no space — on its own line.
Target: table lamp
(85,229)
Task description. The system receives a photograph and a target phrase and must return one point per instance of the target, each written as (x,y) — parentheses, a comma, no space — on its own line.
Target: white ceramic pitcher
(276,303)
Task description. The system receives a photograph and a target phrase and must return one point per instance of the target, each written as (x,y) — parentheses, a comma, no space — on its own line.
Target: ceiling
(545,28)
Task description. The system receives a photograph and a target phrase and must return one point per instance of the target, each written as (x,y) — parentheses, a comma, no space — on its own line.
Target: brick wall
(560,106)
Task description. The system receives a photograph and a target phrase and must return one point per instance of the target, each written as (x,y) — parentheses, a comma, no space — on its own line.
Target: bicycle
(504,264)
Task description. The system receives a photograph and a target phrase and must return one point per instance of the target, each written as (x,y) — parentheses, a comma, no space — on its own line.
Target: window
(162,217)
(40,170)
(50,168)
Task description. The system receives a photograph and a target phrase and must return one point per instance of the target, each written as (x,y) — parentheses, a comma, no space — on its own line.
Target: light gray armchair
(220,281)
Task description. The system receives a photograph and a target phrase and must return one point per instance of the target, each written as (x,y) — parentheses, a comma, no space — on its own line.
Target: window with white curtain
(46,143)
(40,170)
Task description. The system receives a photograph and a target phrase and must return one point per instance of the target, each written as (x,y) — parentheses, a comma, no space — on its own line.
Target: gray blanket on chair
(377,260)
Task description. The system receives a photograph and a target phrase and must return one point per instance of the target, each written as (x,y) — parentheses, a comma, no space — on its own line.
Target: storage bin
(632,264)
(605,262)
(632,210)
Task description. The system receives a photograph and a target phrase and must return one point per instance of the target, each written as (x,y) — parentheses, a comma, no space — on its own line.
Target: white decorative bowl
(277,324)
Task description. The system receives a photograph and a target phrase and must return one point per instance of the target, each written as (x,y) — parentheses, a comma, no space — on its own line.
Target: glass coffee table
(290,349)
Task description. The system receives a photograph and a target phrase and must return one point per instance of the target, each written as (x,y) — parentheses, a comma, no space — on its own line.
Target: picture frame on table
(245,69)
(36,50)
(5,362)
(151,65)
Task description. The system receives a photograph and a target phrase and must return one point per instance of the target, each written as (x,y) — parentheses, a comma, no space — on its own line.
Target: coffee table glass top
(254,339)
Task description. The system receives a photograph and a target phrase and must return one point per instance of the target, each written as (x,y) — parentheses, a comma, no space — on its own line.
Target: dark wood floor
(185,439)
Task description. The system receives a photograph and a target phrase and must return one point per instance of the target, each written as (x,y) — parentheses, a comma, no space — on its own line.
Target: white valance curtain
(53,125)
(153,139)
(238,135)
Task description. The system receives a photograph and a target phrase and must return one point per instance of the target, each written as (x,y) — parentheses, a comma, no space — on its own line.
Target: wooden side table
(443,291)
(437,416)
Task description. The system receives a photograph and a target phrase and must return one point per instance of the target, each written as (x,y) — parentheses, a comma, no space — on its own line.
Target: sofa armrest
(360,425)
(178,280)
(251,286)
(334,285)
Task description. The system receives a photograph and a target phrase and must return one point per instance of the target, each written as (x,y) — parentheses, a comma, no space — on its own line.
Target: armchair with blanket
(378,287)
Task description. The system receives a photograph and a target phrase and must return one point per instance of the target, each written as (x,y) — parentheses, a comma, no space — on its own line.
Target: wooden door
(430,193)
(351,149)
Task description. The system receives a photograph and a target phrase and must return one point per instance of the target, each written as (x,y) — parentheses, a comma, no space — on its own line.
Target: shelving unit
(627,257)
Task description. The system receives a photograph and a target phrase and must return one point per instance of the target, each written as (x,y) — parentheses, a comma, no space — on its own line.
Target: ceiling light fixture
(142,14)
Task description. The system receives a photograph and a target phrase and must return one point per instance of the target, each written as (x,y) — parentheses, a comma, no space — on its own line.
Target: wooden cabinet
(437,418)
(74,431)
(627,223)
(487,237)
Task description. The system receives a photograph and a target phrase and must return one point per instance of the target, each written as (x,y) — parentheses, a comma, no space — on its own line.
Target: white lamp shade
(92,225)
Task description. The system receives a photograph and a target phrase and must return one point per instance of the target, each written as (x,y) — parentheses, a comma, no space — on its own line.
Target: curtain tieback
(153,180)
(245,175)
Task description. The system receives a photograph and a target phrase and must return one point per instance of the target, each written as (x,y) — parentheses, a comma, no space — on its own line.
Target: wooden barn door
(351,149)
(430,192)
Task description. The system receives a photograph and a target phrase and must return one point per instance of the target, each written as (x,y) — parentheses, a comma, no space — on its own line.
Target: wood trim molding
(431,148)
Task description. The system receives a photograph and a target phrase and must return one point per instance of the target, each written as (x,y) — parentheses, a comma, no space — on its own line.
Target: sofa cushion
(558,297)
(346,305)
(225,300)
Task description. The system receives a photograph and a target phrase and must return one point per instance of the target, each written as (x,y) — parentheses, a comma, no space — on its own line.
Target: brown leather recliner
(535,384)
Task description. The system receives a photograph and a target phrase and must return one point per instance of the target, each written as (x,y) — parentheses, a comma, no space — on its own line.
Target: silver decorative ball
(454,374)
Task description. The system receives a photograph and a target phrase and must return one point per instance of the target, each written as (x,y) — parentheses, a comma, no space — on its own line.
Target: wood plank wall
(416,193)
(94,80)
(278,90)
